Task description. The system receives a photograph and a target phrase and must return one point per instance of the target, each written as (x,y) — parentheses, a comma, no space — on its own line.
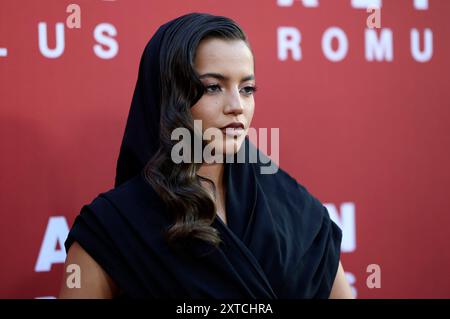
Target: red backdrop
(363,117)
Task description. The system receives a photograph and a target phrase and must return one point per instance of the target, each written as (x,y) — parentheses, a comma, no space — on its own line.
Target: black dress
(279,241)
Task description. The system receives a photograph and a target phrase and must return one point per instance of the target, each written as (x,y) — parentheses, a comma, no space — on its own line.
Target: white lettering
(379,49)
(56,233)
(43,43)
(345,219)
(427,53)
(106,40)
(340,53)
(289,39)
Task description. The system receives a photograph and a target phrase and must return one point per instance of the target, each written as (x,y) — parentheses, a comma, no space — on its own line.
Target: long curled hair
(178,185)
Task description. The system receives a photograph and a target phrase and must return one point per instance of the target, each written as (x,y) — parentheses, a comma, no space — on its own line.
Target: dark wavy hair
(178,185)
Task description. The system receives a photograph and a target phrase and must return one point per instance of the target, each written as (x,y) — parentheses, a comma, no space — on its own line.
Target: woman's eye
(249,90)
(212,88)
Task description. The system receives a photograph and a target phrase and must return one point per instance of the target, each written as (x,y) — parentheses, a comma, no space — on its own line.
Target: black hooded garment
(279,241)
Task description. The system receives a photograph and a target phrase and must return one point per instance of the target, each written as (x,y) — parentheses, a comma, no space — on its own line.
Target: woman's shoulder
(109,227)
(292,201)
(105,202)
(271,175)
(129,205)
(285,186)
(135,192)
(123,212)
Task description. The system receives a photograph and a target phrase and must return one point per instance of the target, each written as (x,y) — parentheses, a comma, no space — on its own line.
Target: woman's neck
(214,172)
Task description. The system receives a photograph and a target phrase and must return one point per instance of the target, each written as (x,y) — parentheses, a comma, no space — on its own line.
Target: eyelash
(252,89)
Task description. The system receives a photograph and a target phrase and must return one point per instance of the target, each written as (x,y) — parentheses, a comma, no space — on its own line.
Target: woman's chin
(226,148)
(231,146)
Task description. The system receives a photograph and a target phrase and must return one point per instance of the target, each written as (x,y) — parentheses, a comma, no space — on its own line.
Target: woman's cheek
(250,112)
(207,113)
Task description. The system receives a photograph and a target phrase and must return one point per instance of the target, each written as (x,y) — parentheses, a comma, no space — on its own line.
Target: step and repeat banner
(358,89)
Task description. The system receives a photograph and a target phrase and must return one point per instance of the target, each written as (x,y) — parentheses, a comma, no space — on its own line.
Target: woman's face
(226,69)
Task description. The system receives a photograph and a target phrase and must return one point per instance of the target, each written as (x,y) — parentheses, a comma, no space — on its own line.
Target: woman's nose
(233,102)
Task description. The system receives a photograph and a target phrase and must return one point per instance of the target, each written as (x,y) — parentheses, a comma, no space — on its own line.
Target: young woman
(198,229)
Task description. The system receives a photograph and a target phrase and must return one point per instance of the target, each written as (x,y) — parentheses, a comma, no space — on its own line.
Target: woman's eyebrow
(225,78)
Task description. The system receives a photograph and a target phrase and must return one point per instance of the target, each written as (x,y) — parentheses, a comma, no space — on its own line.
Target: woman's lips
(233,131)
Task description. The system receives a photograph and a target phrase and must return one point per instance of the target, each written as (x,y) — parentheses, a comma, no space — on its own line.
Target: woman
(197,229)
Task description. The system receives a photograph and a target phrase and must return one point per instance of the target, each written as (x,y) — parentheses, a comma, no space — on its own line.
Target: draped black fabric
(279,241)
